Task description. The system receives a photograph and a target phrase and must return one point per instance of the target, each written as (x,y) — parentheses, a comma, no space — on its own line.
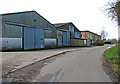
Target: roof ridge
(18,12)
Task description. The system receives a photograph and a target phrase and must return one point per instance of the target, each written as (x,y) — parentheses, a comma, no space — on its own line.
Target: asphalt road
(83,65)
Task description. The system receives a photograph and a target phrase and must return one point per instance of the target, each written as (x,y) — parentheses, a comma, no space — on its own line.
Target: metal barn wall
(11,43)
(50,33)
(50,40)
(32,19)
(50,43)
(12,31)
(59,38)
(11,37)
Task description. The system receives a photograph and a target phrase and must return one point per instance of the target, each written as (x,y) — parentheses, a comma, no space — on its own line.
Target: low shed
(72,33)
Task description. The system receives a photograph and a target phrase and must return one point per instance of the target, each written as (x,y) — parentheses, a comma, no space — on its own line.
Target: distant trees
(113,41)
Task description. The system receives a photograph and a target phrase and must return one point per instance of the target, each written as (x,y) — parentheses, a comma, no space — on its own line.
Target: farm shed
(74,31)
(27,30)
(90,36)
(75,34)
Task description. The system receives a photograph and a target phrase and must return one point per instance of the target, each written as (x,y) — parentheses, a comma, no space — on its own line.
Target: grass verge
(111,57)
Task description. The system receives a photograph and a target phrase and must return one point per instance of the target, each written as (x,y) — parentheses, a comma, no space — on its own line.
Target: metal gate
(39,38)
(28,38)
(68,38)
(64,38)
(33,38)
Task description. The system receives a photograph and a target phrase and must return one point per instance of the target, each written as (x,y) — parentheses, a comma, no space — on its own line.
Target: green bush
(98,43)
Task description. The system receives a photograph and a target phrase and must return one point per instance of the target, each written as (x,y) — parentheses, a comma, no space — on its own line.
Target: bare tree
(114,10)
(104,34)
(114,13)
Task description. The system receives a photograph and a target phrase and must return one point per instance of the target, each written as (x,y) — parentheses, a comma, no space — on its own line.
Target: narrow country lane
(79,66)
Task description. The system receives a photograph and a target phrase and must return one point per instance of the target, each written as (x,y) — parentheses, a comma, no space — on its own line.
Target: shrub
(98,43)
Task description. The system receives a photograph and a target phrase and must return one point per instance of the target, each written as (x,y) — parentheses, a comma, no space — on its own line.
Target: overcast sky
(85,14)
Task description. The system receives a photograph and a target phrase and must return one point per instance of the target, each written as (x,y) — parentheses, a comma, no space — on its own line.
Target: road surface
(83,65)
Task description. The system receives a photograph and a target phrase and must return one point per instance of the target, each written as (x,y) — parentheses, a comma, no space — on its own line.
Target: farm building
(63,37)
(90,36)
(27,30)
(73,34)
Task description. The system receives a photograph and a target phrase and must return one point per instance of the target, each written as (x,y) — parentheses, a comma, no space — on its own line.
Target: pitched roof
(27,12)
(91,32)
(18,12)
(61,24)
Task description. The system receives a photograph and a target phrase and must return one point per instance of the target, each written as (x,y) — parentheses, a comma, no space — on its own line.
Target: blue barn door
(39,38)
(28,38)
(64,38)
(68,38)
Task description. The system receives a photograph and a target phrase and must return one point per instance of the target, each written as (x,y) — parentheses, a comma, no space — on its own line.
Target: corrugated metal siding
(50,33)
(31,18)
(11,43)
(59,38)
(50,43)
(12,31)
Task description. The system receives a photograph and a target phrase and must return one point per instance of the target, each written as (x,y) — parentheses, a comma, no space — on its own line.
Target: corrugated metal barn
(27,30)
(73,34)
(74,31)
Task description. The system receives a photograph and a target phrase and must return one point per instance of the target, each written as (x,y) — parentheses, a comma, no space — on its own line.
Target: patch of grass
(111,56)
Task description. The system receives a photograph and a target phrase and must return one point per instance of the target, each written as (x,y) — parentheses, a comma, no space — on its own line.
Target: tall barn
(27,30)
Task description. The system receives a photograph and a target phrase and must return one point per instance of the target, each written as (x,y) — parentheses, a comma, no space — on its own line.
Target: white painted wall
(50,42)
(11,43)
